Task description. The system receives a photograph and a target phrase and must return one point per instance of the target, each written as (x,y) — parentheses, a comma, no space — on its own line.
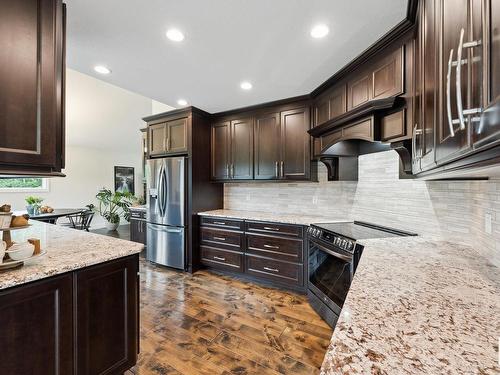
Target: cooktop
(359,230)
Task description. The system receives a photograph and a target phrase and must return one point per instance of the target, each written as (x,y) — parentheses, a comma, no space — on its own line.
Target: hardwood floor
(213,324)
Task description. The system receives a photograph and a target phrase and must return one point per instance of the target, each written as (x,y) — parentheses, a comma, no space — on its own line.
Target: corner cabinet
(32,80)
(458,102)
(82,322)
(168,138)
(264,145)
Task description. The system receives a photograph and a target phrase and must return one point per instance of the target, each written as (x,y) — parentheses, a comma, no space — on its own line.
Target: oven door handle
(348,258)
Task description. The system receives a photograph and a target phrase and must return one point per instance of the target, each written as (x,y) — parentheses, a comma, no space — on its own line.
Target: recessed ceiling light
(175,35)
(101,69)
(245,85)
(320,31)
(182,102)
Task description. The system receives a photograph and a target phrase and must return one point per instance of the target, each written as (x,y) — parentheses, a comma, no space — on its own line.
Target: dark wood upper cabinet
(32,78)
(221,133)
(157,139)
(102,322)
(359,91)
(451,135)
(37,327)
(177,135)
(169,137)
(488,130)
(295,145)
(241,166)
(338,102)
(267,153)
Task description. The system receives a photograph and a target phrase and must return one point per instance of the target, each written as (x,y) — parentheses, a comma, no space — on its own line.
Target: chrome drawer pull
(271,228)
(271,269)
(271,246)
(219,258)
(219,238)
(219,223)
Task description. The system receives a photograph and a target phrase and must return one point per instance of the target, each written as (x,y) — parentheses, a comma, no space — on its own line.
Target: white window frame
(43,189)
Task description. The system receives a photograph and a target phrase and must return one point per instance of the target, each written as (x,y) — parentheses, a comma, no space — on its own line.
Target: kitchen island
(73,310)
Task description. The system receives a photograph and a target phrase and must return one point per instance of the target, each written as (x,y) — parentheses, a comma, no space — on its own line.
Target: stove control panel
(331,238)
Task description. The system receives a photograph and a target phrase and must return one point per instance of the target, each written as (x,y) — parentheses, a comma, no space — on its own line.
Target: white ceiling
(227,41)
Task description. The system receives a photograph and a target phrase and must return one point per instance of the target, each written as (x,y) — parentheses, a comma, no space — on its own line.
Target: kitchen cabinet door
(221,133)
(267,146)
(37,327)
(177,136)
(338,102)
(487,130)
(32,78)
(157,139)
(452,138)
(295,163)
(107,331)
(241,149)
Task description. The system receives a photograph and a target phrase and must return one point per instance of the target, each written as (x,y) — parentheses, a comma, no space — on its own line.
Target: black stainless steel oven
(333,258)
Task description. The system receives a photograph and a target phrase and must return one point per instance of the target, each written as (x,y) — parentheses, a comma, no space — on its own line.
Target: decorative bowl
(20,251)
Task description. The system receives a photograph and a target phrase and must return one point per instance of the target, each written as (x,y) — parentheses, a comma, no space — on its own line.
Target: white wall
(102,130)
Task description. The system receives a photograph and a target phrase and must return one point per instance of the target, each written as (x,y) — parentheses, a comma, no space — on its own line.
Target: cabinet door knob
(219,238)
(220,258)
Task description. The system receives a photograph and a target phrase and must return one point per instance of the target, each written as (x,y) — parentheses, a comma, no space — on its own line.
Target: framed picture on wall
(124,179)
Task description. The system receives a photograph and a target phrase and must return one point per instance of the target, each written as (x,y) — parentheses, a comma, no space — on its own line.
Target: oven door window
(330,274)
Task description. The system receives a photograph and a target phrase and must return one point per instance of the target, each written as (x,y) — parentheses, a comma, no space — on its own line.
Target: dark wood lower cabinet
(36,325)
(270,252)
(106,323)
(83,322)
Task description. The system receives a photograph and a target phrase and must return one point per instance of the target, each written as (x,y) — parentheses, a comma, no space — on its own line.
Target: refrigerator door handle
(158,196)
(165,191)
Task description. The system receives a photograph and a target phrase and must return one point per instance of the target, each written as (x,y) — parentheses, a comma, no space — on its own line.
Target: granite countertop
(418,306)
(67,249)
(270,216)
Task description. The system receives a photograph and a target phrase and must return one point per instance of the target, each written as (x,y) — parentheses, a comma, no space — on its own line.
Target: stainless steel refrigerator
(166,230)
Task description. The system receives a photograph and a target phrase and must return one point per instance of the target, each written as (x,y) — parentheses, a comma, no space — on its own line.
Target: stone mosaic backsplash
(452,210)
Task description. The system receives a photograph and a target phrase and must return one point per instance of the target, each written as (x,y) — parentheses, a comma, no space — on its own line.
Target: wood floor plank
(211,324)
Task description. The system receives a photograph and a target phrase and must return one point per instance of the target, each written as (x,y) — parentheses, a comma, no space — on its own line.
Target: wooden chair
(81,220)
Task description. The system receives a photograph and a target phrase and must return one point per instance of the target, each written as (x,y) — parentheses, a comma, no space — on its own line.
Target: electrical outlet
(315,200)
(247,197)
(487,222)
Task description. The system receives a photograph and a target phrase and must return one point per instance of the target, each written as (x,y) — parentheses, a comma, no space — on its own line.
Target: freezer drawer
(166,245)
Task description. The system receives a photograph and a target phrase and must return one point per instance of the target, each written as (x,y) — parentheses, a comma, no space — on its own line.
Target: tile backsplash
(455,210)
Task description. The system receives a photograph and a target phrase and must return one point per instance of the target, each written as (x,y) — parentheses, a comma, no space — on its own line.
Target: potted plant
(34,204)
(112,206)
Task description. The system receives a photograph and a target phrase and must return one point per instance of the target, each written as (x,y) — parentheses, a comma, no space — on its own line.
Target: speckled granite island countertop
(67,250)
(268,216)
(418,306)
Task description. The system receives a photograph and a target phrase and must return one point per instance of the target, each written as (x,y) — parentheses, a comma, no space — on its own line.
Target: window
(23,184)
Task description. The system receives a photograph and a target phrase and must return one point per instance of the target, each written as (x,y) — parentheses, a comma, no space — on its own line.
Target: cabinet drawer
(137,214)
(284,272)
(274,247)
(275,228)
(223,259)
(212,236)
(222,222)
